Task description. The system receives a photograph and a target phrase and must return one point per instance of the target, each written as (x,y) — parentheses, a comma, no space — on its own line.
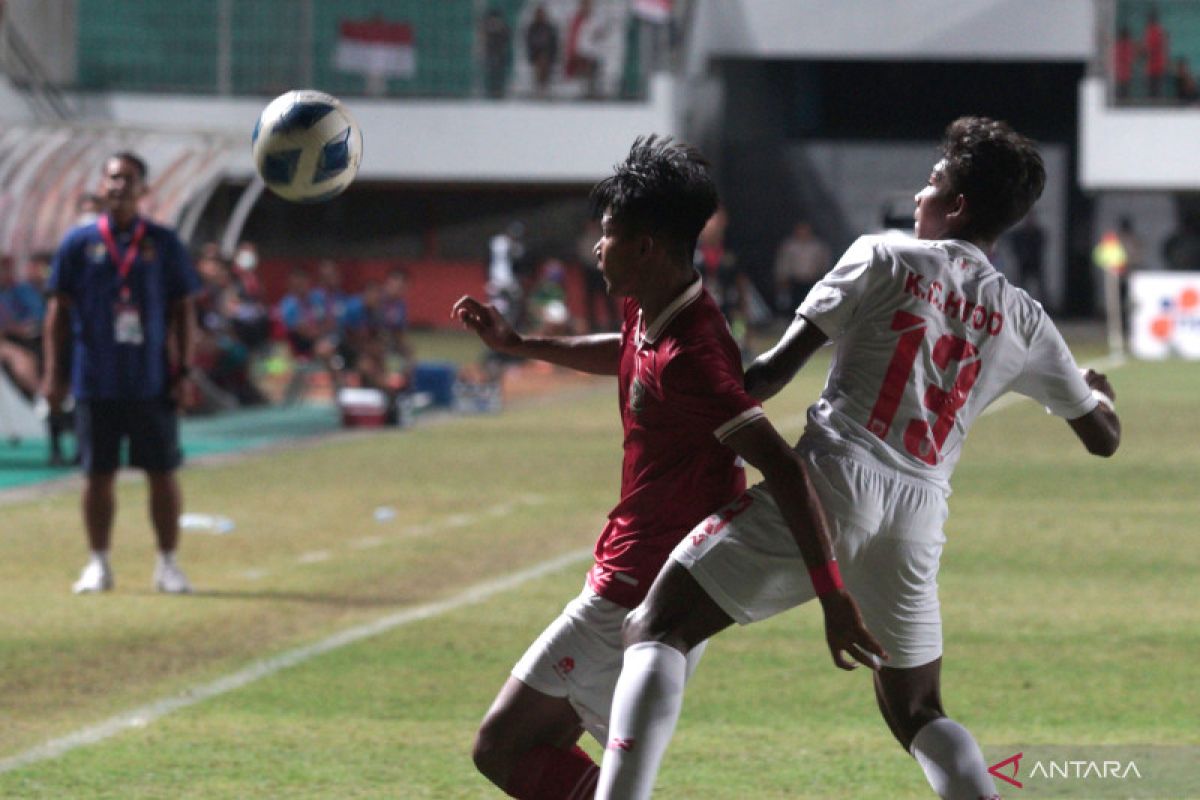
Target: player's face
(121,185)
(616,256)
(934,204)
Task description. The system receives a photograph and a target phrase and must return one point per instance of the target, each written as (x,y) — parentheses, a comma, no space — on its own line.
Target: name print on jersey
(952,305)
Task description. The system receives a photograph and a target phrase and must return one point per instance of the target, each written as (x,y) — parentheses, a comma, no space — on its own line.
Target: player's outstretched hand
(1098,381)
(487,323)
(845,633)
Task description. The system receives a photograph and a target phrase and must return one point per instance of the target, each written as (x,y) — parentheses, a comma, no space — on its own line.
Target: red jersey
(681,395)
(1156,50)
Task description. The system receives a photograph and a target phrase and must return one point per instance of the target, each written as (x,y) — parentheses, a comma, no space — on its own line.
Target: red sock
(550,773)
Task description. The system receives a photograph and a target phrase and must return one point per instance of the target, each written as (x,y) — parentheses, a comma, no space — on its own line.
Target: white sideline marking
(144,715)
(1004,401)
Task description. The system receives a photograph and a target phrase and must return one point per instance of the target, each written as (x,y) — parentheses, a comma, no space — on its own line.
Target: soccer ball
(306,146)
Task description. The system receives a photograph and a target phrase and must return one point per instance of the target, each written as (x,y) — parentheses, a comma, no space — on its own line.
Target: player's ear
(646,244)
(959,214)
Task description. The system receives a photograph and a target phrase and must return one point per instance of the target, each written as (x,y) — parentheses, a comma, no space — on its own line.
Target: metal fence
(393,48)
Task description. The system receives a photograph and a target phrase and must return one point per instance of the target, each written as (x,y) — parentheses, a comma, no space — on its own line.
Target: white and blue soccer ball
(306,146)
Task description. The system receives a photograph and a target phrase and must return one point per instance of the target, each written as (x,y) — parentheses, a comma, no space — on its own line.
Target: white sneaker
(169,578)
(96,577)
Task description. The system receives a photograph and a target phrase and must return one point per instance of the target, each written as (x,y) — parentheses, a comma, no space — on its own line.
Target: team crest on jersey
(148,251)
(637,396)
(97,252)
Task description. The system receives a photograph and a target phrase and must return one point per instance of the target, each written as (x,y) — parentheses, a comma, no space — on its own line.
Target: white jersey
(927,335)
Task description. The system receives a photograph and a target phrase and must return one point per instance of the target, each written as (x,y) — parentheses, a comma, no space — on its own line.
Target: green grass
(1071,607)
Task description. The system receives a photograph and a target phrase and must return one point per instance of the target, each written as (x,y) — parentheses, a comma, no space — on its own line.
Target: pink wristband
(826,579)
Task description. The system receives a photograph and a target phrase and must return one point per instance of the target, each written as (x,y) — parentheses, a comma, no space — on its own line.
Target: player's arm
(1100,428)
(761,446)
(182,329)
(599,354)
(775,368)
(55,331)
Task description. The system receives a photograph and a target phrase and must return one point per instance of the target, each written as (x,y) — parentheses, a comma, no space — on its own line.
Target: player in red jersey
(927,335)
(686,418)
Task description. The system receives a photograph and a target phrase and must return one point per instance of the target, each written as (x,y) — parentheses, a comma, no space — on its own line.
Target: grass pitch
(1071,608)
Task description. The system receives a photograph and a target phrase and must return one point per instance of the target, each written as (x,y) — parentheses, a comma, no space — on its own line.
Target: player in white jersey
(927,334)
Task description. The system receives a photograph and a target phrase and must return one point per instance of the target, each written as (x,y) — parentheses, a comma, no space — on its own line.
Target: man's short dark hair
(998,170)
(132,158)
(662,188)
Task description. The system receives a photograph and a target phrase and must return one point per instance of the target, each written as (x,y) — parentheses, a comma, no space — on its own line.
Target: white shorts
(887,535)
(579,657)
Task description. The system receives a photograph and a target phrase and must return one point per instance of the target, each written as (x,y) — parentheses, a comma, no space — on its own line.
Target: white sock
(100,557)
(646,706)
(166,558)
(953,762)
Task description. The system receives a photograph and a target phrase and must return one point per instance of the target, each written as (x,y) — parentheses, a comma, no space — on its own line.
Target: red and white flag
(653,10)
(377,48)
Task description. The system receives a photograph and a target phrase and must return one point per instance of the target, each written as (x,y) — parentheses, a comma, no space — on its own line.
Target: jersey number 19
(921,439)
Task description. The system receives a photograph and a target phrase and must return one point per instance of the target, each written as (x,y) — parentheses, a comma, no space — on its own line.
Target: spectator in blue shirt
(122,289)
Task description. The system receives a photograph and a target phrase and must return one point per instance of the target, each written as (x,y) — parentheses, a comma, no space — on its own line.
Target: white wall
(1136,148)
(445,141)
(1017,30)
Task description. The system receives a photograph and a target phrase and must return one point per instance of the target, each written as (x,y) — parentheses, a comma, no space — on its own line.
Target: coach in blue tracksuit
(123,287)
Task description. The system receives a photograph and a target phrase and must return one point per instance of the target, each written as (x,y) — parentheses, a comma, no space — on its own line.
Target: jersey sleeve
(63,268)
(183,278)
(832,302)
(706,388)
(1051,376)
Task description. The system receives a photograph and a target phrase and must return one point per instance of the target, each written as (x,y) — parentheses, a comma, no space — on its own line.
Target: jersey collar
(655,329)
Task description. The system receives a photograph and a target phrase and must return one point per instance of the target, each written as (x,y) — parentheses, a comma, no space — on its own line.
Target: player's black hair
(662,188)
(998,170)
(131,157)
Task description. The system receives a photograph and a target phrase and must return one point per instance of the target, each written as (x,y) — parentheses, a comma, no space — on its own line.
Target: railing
(388,48)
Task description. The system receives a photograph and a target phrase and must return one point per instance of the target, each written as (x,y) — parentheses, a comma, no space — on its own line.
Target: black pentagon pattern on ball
(280,167)
(301,116)
(335,157)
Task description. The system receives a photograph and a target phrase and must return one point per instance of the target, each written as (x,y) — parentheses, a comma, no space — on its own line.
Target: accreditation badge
(127,322)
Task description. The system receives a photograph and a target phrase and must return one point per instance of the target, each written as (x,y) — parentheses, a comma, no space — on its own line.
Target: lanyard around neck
(123,261)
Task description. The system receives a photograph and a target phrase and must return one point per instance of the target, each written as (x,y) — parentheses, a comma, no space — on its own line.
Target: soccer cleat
(170,579)
(96,577)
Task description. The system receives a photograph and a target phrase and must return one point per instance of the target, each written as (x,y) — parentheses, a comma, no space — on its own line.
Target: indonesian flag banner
(377,48)
(653,10)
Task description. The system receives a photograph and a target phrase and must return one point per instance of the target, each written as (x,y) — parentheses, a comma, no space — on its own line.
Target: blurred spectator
(342,313)
(310,334)
(58,421)
(497,52)
(18,329)
(548,311)
(723,276)
(802,259)
(1135,260)
(223,359)
(87,208)
(506,265)
(581,62)
(541,48)
(655,20)
(594,288)
(1028,243)
(1124,53)
(1154,49)
(251,319)
(392,319)
(1181,250)
(1185,83)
